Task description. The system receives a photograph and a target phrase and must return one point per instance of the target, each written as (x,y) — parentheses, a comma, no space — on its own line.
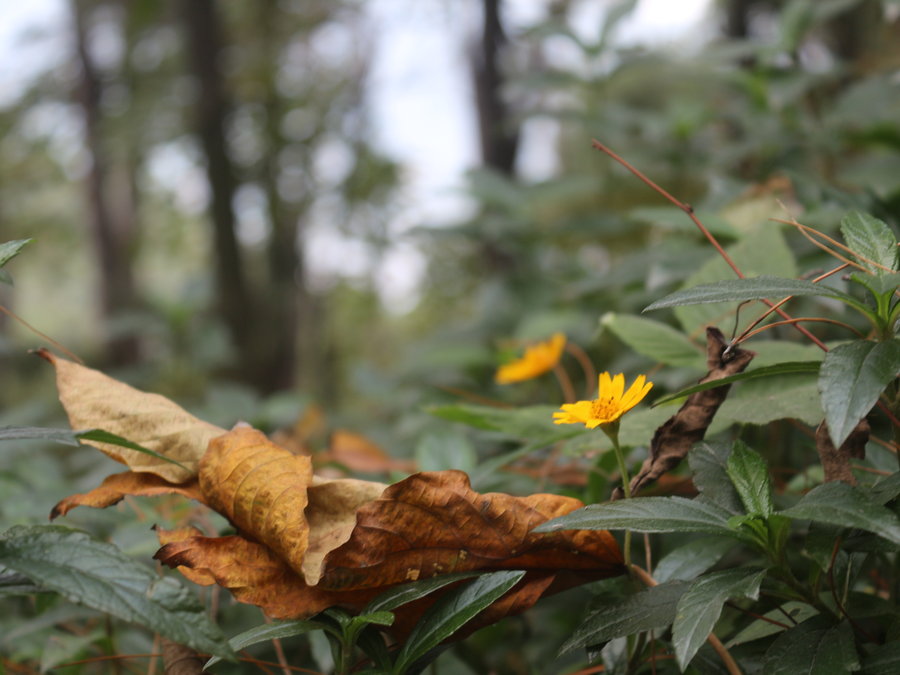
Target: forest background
(180,170)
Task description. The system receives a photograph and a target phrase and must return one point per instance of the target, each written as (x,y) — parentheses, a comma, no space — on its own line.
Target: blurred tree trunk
(287,293)
(204,46)
(498,132)
(110,203)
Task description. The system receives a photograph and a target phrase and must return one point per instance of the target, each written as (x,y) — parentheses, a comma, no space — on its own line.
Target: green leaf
(452,612)
(852,378)
(886,489)
(654,340)
(8,251)
(883,660)
(686,562)
(107,437)
(100,576)
(18,584)
(871,240)
(815,647)
(790,613)
(401,595)
(750,476)
(445,450)
(762,251)
(709,462)
(790,368)
(647,514)
(840,504)
(762,401)
(64,436)
(701,606)
(753,288)
(266,632)
(531,423)
(645,610)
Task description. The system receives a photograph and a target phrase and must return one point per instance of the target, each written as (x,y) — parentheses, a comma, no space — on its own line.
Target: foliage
(773,548)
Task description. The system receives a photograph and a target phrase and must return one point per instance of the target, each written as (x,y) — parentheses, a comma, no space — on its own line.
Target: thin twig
(689,211)
(788,322)
(12,315)
(565,383)
(762,317)
(590,373)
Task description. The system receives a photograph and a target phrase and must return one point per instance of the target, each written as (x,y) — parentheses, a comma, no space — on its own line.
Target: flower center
(603,408)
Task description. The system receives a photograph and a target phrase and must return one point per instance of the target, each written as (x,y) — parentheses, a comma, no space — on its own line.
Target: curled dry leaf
(117,486)
(252,572)
(434,523)
(93,400)
(677,435)
(836,461)
(305,544)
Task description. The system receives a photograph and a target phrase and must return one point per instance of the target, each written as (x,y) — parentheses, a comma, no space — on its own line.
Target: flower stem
(612,431)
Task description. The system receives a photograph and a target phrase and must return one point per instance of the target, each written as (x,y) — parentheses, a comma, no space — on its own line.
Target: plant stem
(612,431)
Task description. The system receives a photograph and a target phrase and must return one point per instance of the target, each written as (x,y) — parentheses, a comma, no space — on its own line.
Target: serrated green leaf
(815,647)
(267,632)
(871,240)
(780,397)
(646,610)
(10,249)
(883,660)
(852,377)
(790,368)
(752,288)
(647,514)
(686,562)
(452,612)
(400,595)
(886,489)
(708,462)
(654,340)
(762,251)
(789,613)
(100,576)
(701,606)
(749,474)
(837,503)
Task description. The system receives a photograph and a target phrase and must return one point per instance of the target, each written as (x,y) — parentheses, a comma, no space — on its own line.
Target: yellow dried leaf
(93,400)
(261,488)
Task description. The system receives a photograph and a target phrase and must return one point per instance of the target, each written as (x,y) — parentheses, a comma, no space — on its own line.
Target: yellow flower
(537,360)
(611,403)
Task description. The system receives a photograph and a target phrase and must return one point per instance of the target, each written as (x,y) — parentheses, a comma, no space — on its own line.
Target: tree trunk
(204,45)
(287,286)
(498,133)
(112,223)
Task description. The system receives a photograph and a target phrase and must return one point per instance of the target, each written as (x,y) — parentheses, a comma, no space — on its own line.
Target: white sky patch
(34,36)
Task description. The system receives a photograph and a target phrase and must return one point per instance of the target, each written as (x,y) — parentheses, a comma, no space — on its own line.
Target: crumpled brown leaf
(119,485)
(836,461)
(434,523)
(93,400)
(303,543)
(677,435)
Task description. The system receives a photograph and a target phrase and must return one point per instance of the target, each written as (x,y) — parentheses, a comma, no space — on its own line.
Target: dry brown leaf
(836,461)
(261,488)
(115,487)
(358,453)
(93,400)
(434,523)
(677,435)
(253,574)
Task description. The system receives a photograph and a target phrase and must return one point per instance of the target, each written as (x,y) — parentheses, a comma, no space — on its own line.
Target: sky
(420,106)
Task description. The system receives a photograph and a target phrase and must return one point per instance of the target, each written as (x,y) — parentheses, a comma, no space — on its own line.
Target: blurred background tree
(176,164)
